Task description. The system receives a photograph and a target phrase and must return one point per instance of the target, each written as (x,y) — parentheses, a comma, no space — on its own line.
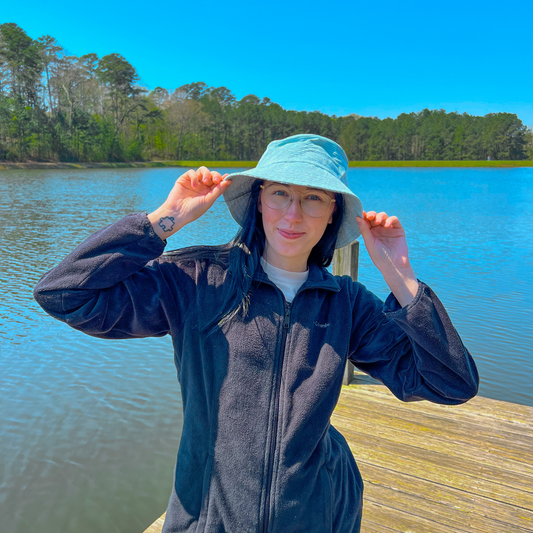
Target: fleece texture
(258,452)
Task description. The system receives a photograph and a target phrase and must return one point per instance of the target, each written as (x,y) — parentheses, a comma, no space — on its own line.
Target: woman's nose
(294,210)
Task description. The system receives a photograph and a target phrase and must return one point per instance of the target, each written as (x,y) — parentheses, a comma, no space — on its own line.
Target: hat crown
(308,149)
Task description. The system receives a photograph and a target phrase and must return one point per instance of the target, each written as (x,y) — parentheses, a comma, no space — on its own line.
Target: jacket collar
(319,278)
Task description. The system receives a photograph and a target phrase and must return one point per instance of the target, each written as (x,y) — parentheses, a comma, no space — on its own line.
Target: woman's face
(290,233)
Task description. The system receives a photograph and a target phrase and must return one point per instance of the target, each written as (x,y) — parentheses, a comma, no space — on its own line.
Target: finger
(191,174)
(205,174)
(373,219)
(216,175)
(392,222)
(225,184)
(371,215)
(217,178)
(202,171)
(364,226)
(215,192)
(381,218)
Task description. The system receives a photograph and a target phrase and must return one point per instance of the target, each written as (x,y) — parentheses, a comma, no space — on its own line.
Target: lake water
(89,429)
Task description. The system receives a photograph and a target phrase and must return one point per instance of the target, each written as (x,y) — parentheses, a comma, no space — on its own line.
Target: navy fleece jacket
(257,451)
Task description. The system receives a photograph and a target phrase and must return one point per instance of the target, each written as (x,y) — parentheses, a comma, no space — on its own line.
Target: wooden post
(346,263)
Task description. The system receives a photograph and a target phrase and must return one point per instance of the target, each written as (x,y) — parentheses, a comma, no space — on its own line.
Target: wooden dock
(437,469)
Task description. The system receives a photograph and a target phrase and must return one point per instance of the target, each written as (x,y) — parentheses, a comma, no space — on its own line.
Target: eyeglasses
(314,203)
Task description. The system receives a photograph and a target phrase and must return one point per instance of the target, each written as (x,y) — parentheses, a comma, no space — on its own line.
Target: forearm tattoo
(166,223)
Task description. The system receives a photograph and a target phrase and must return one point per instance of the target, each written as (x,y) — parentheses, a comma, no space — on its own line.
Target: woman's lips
(290,234)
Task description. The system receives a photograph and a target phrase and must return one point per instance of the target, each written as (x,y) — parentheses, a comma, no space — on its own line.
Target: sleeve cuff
(393,309)
(151,233)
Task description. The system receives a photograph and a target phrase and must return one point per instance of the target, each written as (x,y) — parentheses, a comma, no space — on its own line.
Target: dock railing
(346,263)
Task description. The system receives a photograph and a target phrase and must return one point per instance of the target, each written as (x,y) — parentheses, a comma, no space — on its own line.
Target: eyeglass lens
(314,203)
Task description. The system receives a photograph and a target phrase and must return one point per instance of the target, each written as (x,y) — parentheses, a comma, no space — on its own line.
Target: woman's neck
(291,264)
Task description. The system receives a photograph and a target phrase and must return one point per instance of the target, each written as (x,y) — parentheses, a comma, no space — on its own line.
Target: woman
(262,332)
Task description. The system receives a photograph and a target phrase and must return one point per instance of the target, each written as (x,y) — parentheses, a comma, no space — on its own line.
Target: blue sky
(370,58)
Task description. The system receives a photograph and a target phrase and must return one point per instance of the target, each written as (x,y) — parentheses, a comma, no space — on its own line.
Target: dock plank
(437,469)
(157,526)
(512,416)
(490,455)
(435,501)
(447,471)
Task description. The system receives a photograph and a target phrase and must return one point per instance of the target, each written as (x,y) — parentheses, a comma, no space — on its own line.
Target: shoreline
(252,164)
(132,164)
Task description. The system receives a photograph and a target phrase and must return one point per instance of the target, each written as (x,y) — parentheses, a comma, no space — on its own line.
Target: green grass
(441,164)
(251,164)
(208,164)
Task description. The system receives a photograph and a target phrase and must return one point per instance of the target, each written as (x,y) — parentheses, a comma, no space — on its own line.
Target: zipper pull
(287,315)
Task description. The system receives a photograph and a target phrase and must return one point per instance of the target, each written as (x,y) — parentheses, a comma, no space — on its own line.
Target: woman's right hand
(192,195)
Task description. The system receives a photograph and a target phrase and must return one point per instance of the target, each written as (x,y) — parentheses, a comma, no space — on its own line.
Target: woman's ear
(259,204)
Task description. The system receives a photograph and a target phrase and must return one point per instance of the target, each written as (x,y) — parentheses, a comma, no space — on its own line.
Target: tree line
(55,106)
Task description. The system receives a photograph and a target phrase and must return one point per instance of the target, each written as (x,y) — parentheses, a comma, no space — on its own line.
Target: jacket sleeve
(109,287)
(415,350)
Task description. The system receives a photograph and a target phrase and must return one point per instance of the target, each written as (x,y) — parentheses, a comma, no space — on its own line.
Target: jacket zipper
(286,323)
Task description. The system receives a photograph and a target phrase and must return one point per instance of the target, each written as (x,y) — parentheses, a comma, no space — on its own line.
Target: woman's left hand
(385,241)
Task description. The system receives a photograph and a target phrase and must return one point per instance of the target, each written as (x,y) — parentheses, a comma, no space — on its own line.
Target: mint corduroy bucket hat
(307,160)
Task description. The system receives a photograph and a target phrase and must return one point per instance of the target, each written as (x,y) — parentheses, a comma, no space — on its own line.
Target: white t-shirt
(287,282)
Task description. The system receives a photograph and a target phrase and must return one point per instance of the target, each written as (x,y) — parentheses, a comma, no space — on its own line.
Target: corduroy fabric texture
(257,450)
(307,160)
